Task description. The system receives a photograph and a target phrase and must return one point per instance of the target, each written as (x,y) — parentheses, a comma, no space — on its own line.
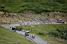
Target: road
(37,39)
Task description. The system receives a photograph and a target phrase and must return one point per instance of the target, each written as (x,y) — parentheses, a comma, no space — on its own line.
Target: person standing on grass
(33,36)
(26,34)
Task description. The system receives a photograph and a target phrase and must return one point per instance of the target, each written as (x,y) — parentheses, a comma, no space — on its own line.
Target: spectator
(33,36)
(26,34)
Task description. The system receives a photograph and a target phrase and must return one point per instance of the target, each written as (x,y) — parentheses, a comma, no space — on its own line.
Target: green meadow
(8,37)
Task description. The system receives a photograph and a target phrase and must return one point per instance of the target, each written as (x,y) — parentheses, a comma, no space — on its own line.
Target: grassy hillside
(7,37)
(42,31)
(34,5)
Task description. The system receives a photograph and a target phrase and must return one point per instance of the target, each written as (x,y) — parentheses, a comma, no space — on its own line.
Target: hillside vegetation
(37,6)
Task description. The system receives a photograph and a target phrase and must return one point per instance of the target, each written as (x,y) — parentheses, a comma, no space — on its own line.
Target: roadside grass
(8,37)
(42,30)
